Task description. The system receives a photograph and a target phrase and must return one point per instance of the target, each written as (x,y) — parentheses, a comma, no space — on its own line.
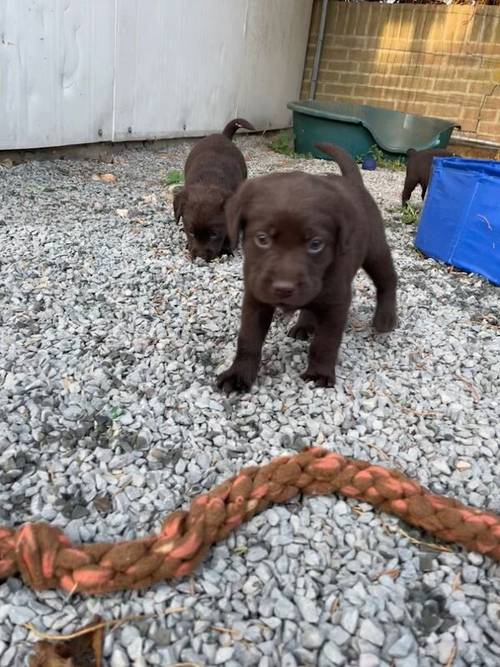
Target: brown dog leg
(409,186)
(423,185)
(255,322)
(304,327)
(330,326)
(379,266)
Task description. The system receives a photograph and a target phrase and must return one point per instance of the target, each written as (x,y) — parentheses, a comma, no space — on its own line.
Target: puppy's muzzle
(284,289)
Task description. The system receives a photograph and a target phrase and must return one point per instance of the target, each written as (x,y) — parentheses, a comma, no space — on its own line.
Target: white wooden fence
(80,71)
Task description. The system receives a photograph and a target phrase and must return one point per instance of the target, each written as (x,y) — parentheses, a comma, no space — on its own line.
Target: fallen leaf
(150,199)
(463,465)
(122,212)
(167,196)
(455,586)
(84,650)
(103,504)
(393,574)
(104,178)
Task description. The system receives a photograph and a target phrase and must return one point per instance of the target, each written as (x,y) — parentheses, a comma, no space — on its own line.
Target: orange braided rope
(46,558)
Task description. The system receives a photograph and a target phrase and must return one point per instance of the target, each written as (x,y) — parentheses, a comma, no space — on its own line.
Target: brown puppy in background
(418,170)
(214,169)
(305,237)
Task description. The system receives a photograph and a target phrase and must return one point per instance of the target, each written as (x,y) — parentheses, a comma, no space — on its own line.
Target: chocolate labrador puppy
(419,169)
(305,237)
(214,169)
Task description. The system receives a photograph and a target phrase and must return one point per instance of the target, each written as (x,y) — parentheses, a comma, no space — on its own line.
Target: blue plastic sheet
(460,221)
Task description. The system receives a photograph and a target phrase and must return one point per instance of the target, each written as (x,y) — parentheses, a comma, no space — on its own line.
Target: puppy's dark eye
(315,246)
(262,240)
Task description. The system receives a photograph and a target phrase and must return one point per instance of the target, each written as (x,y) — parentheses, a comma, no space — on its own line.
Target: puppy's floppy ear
(180,200)
(235,220)
(224,196)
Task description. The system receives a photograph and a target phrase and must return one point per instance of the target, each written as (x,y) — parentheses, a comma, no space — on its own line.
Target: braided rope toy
(46,558)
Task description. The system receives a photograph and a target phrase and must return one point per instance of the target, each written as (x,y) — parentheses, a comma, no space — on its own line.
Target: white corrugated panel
(212,60)
(77,71)
(56,72)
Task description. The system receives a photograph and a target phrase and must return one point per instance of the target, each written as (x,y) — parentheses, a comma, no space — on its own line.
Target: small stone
(349,620)
(223,655)
(308,609)
(72,413)
(460,609)
(493,613)
(445,649)
(474,558)
(426,562)
(402,646)
(284,609)
(312,637)
(272,517)
(339,635)
(371,632)
(441,466)
(134,649)
(470,574)
(256,554)
(8,657)
(287,660)
(129,634)
(396,611)
(211,589)
(368,660)
(119,658)
(333,654)
(20,615)
(252,585)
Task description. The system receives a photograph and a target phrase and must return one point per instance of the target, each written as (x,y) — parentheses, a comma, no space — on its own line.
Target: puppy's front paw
(300,332)
(385,320)
(236,379)
(320,378)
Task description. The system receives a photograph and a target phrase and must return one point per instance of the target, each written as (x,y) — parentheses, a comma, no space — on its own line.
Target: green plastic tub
(357,128)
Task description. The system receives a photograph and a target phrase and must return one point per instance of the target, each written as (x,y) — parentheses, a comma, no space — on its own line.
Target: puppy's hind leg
(410,185)
(379,266)
(304,327)
(423,185)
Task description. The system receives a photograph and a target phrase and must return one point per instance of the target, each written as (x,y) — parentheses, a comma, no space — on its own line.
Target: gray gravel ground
(110,339)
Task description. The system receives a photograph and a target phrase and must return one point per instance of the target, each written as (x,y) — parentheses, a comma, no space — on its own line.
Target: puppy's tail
(348,167)
(234,125)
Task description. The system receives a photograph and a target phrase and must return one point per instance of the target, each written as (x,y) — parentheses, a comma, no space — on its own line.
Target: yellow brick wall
(431,60)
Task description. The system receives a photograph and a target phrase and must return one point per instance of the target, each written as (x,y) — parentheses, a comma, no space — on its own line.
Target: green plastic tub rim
(389,128)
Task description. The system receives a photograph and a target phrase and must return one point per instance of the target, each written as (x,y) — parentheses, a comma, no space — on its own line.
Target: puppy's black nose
(283,289)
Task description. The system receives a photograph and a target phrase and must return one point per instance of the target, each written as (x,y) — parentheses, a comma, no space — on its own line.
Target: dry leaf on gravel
(83,650)
(104,178)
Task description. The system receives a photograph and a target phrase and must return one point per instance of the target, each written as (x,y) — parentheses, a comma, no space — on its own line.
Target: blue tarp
(460,221)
